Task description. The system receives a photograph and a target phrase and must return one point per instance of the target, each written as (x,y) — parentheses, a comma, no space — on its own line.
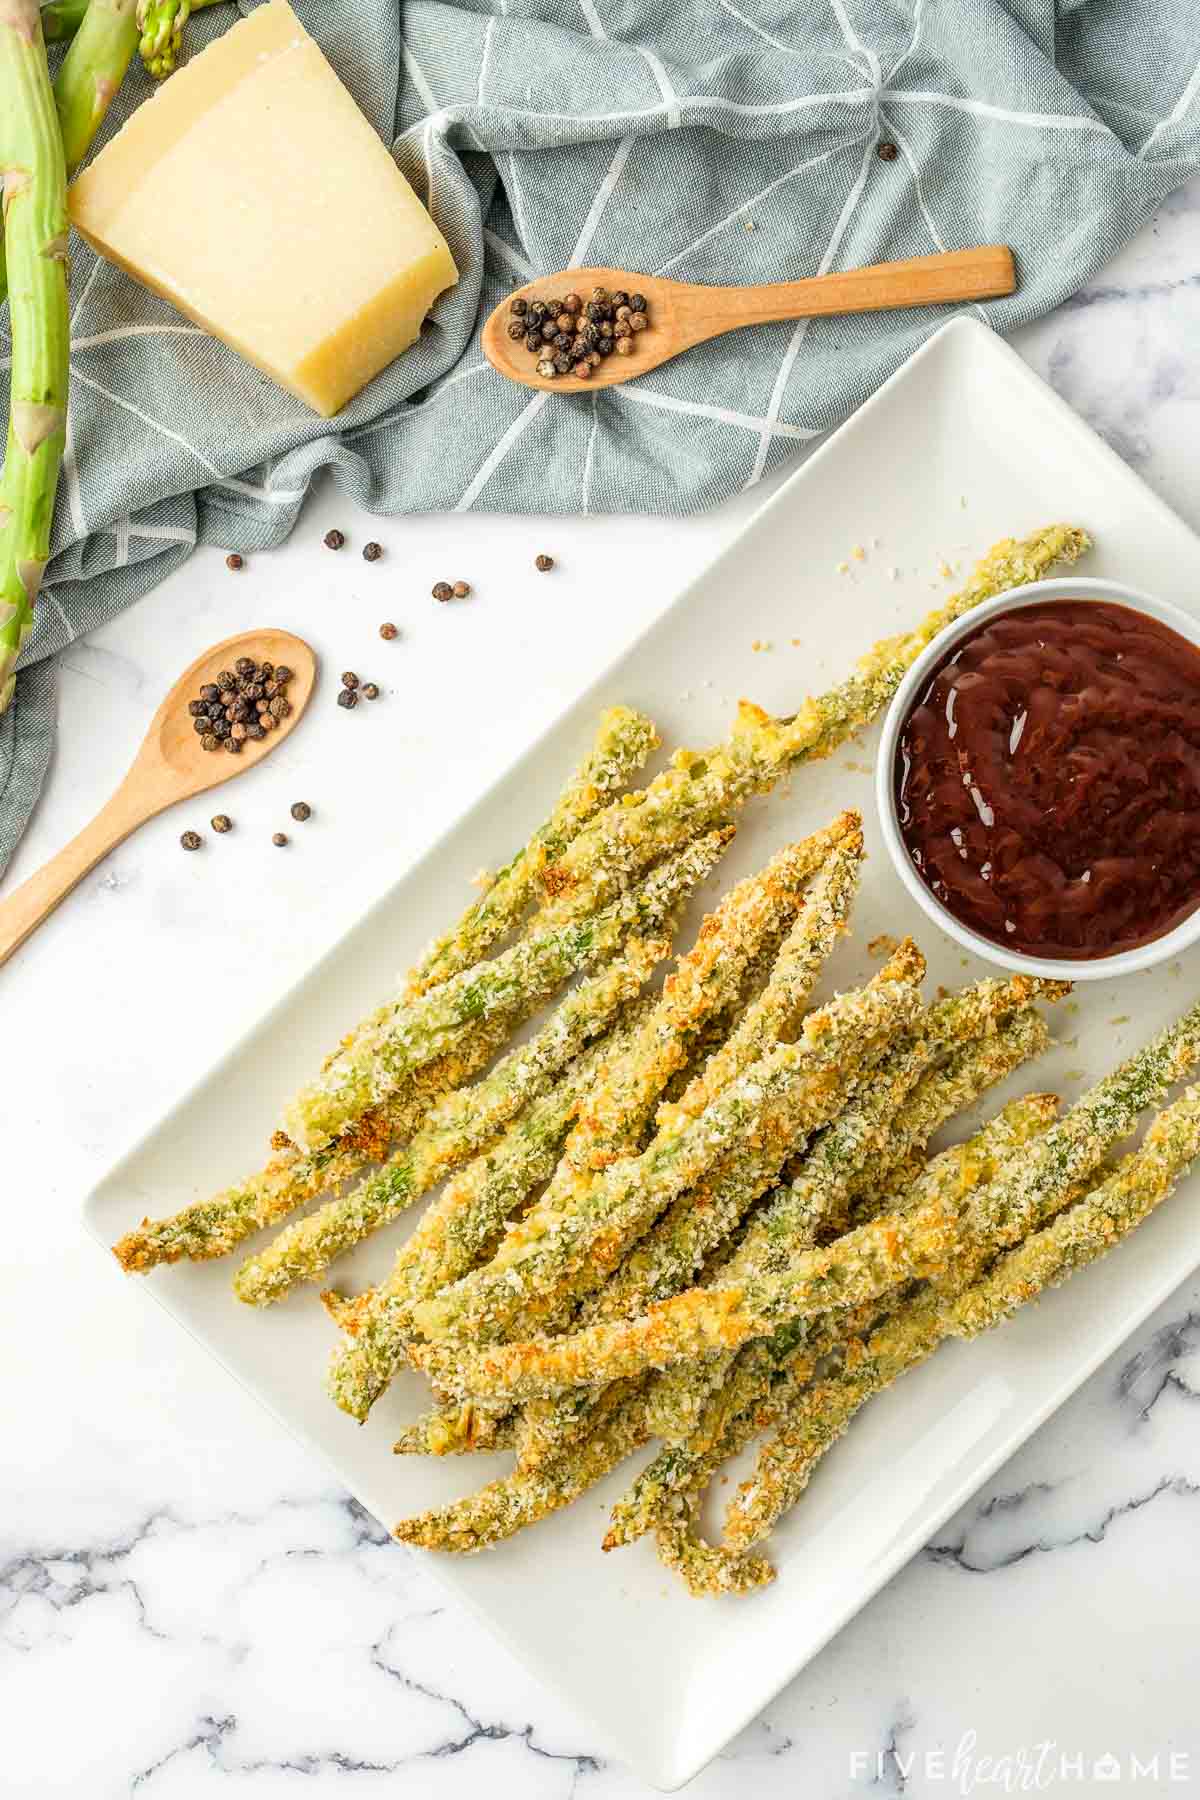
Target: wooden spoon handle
(24,911)
(979,274)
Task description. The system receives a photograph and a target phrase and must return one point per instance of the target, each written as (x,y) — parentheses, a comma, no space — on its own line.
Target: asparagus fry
(699,788)
(1078,1236)
(463,1225)
(519,1499)
(212,1227)
(784,1095)
(701,1320)
(460,1429)
(773,1017)
(34,185)
(837,1169)
(459,1126)
(623,742)
(403,1037)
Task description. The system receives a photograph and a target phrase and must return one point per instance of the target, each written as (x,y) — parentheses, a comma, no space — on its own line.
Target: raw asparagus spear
(34,183)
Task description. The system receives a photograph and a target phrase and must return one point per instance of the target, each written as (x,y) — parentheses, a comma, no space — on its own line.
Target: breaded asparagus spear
(705,981)
(723,1317)
(459,1126)
(459,1228)
(212,1227)
(700,787)
(520,1499)
(1085,1231)
(783,1096)
(623,742)
(512,986)
(904,1104)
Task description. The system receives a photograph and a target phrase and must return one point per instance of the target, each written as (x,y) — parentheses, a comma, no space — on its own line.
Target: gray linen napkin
(716,140)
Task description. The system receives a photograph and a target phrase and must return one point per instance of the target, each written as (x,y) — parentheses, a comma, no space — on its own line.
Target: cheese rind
(251,192)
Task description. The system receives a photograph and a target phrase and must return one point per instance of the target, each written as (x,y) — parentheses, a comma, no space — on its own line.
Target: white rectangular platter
(963,446)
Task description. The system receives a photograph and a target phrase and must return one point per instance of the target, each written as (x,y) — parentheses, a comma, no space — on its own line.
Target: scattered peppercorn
(349,679)
(461,589)
(370,691)
(442,590)
(348,697)
(279,839)
(372,551)
(301,810)
(886,152)
(519,306)
(283,674)
(388,631)
(334,539)
(543,563)
(191,840)
(221,822)
(234,561)
(516,330)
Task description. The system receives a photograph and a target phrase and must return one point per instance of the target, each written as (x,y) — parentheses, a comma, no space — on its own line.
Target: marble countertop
(186,1596)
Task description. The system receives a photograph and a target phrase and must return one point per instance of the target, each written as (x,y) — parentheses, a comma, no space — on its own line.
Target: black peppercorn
(606,346)
(349,679)
(265,671)
(234,561)
(590,336)
(562,363)
(210,741)
(372,552)
(595,312)
(620,298)
(279,839)
(516,330)
(886,152)
(233,746)
(280,708)
(210,691)
(301,810)
(254,730)
(543,562)
(197,709)
(442,590)
(519,306)
(240,710)
(221,822)
(254,690)
(221,728)
(191,840)
(388,631)
(370,691)
(225,680)
(637,303)
(572,303)
(563,340)
(200,726)
(333,540)
(348,697)
(283,674)
(549,331)
(245,665)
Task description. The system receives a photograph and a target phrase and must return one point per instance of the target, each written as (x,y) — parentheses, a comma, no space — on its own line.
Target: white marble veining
(188,1606)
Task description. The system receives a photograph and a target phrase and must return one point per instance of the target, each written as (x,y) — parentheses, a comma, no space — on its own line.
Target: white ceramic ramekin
(1100,968)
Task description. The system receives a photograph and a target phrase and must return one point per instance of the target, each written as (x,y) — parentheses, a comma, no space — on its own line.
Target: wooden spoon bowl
(171,765)
(682,314)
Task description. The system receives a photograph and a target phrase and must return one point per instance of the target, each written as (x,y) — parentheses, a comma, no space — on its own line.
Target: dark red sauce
(1048,779)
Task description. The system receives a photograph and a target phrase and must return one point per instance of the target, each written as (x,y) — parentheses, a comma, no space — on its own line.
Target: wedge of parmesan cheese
(253,194)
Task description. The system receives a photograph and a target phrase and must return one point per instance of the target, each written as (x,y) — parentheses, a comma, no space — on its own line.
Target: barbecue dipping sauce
(1048,779)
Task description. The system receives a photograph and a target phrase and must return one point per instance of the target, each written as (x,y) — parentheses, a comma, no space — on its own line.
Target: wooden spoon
(170,766)
(682,314)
